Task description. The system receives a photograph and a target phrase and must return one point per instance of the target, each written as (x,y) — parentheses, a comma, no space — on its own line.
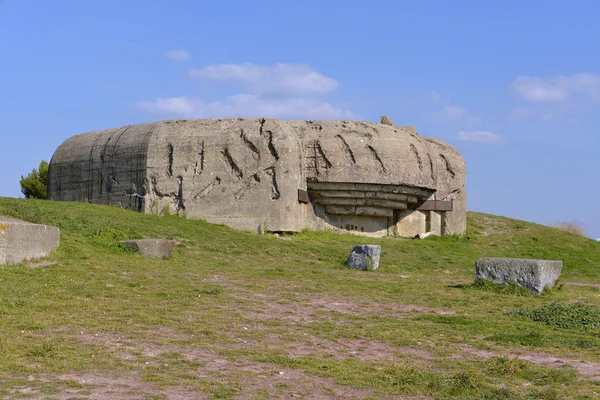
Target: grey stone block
(364,257)
(157,248)
(21,240)
(535,275)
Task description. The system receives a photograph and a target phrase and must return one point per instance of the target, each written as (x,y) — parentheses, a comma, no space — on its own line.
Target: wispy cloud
(245,105)
(454,114)
(557,88)
(283,91)
(483,137)
(280,78)
(177,55)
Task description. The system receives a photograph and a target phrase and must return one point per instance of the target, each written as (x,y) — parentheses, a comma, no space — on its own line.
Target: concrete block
(364,257)
(21,240)
(156,248)
(535,275)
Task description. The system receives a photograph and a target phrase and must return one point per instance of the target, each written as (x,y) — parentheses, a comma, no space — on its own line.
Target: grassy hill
(239,315)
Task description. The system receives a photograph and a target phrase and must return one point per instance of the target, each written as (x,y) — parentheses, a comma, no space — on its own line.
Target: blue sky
(514,85)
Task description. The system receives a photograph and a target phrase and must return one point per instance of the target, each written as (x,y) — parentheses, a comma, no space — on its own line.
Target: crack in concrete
(250,145)
(180,205)
(431,166)
(170,159)
(234,167)
(416,152)
(200,160)
(272,148)
(275,194)
(448,166)
(376,155)
(348,149)
(317,158)
(207,189)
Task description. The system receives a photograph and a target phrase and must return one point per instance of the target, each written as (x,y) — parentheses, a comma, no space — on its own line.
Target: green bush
(34,185)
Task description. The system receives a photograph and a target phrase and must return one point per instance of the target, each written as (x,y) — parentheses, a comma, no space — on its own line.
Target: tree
(34,186)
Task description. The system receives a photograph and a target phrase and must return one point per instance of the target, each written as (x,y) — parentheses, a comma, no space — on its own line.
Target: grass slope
(238,315)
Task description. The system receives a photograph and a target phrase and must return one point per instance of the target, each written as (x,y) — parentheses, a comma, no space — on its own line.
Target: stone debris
(535,275)
(424,235)
(385,120)
(156,248)
(278,236)
(364,257)
(21,240)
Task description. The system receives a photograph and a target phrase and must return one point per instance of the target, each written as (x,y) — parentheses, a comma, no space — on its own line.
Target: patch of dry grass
(574,227)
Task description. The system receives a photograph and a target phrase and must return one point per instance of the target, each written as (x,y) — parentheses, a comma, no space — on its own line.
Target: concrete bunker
(270,175)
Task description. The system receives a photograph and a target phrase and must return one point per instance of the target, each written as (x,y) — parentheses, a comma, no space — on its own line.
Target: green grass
(239,315)
(567,316)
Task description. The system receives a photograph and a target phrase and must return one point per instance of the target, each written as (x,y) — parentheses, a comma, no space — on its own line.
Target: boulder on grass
(157,248)
(21,240)
(364,257)
(535,275)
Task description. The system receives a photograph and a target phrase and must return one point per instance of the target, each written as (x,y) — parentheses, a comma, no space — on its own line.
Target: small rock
(364,257)
(385,120)
(30,378)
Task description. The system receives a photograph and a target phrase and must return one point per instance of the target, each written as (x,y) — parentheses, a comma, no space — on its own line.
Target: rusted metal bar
(303,196)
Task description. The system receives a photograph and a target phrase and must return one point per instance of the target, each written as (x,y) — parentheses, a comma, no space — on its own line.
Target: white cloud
(484,137)
(455,114)
(281,78)
(284,91)
(245,105)
(177,55)
(557,88)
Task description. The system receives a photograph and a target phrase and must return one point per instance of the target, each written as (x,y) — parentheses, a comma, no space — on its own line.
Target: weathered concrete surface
(535,275)
(450,185)
(104,167)
(246,173)
(157,248)
(362,152)
(364,257)
(243,173)
(20,240)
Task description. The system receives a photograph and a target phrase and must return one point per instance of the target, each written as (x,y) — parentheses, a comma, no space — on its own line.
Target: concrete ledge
(21,240)
(156,248)
(535,275)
